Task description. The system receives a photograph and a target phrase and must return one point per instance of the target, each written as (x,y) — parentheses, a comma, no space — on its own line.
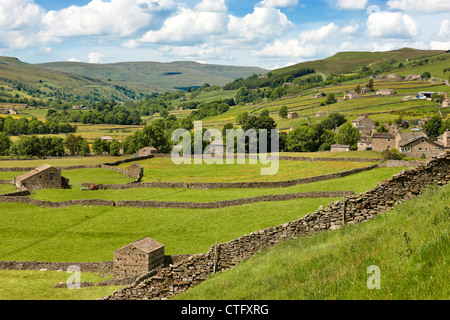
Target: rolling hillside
(348,62)
(163,76)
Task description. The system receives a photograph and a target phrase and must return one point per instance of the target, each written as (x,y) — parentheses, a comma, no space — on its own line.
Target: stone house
(365,91)
(364,122)
(394,76)
(135,171)
(402,138)
(11,111)
(319,95)
(216,147)
(382,141)
(107,138)
(446,103)
(351,96)
(320,114)
(43,177)
(340,148)
(138,258)
(413,77)
(385,92)
(364,145)
(419,146)
(292,115)
(147,151)
(444,139)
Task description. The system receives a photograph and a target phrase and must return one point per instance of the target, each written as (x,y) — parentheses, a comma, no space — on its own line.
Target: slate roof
(33,172)
(146,245)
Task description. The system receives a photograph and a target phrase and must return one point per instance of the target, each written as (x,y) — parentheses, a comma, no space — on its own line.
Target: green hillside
(410,245)
(162,76)
(44,83)
(348,62)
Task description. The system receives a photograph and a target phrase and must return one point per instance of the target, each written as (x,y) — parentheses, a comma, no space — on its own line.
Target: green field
(410,245)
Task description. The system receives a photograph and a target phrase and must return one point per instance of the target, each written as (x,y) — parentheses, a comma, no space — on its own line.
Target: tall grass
(410,245)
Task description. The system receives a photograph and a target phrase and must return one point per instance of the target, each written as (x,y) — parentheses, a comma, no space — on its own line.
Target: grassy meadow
(410,245)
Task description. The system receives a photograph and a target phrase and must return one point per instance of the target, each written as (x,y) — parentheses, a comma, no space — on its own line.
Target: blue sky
(264,33)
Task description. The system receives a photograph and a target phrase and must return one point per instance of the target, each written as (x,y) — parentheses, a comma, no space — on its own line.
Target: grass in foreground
(81,234)
(38,285)
(410,245)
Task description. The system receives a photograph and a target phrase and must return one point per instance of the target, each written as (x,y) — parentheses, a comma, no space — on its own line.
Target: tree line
(25,126)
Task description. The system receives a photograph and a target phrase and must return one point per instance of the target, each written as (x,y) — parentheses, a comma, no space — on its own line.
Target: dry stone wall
(179,277)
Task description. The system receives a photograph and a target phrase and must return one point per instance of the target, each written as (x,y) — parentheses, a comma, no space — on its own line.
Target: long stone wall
(21,198)
(102,267)
(178,278)
(232,185)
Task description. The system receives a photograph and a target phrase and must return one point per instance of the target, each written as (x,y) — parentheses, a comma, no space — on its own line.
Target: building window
(420,149)
(52,176)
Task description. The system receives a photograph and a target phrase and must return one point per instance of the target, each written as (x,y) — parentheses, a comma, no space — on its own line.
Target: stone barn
(138,258)
(292,115)
(340,148)
(43,177)
(147,151)
(135,171)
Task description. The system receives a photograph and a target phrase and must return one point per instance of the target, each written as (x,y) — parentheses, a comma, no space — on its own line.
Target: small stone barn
(135,171)
(43,177)
(340,148)
(138,258)
(292,115)
(147,151)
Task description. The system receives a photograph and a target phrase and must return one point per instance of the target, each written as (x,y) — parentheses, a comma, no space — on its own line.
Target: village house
(107,138)
(403,138)
(340,148)
(385,92)
(364,124)
(420,146)
(292,115)
(320,114)
(216,147)
(351,96)
(43,177)
(319,95)
(444,139)
(82,107)
(412,77)
(394,76)
(446,103)
(138,258)
(11,111)
(382,141)
(147,151)
(364,145)
(365,91)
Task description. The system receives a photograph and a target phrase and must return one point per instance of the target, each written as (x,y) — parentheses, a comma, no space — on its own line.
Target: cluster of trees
(320,137)
(101,113)
(25,126)
(435,127)
(34,146)
(210,109)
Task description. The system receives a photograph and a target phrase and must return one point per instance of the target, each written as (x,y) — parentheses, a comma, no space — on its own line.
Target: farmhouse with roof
(351,96)
(43,177)
(385,92)
(444,139)
(418,146)
(382,141)
(138,258)
(292,115)
(147,151)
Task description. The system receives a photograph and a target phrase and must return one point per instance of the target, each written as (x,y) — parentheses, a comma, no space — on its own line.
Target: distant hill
(33,80)
(348,62)
(161,76)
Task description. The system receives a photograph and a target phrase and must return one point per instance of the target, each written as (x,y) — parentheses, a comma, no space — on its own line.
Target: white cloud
(310,43)
(197,53)
(277,3)
(444,31)
(350,28)
(351,4)
(262,23)
(440,45)
(211,6)
(96,57)
(73,60)
(392,25)
(428,6)
(187,25)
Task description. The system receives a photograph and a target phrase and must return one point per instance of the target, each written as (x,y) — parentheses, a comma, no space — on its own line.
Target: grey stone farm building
(138,258)
(43,177)
(147,151)
(135,171)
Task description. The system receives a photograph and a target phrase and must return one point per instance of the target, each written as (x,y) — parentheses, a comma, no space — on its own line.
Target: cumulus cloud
(444,31)
(96,57)
(262,23)
(351,4)
(187,25)
(429,6)
(198,53)
(309,43)
(392,25)
(350,28)
(277,3)
(211,6)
